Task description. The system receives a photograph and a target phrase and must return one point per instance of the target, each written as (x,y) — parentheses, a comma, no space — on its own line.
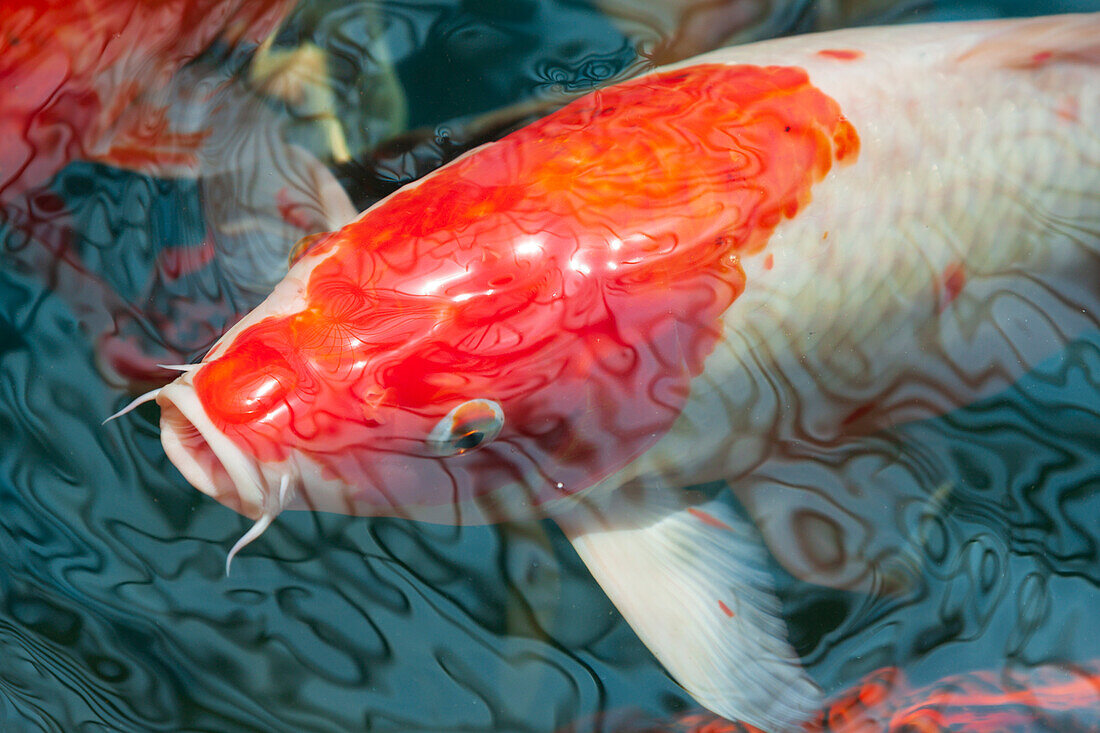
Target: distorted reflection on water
(115,613)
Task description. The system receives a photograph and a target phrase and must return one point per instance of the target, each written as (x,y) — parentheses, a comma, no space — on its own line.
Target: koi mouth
(214,464)
(211,461)
(208,459)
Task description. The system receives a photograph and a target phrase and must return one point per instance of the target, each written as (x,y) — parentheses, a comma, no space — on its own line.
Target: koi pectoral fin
(690,576)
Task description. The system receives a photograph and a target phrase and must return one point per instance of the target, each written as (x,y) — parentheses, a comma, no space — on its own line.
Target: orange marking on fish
(564,267)
(295,213)
(858,413)
(874,693)
(83,69)
(1040,58)
(708,519)
(952,281)
(769,261)
(725,609)
(1069,109)
(979,701)
(840,54)
(1043,698)
(176,262)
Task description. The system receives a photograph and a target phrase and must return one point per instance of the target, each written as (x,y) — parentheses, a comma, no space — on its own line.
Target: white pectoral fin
(690,576)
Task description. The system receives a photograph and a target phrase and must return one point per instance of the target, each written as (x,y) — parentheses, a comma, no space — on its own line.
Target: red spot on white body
(295,213)
(841,54)
(1069,109)
(952,281)
(708,519)
(1040,58)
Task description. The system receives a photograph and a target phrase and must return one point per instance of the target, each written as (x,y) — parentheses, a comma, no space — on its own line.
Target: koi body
(674,280)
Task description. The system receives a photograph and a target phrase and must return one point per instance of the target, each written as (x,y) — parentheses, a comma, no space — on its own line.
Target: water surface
(115,613)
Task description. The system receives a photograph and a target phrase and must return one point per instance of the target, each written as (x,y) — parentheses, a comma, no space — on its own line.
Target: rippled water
(116,614)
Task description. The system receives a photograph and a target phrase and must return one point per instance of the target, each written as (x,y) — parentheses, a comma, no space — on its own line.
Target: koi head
(517,326)
(457,390)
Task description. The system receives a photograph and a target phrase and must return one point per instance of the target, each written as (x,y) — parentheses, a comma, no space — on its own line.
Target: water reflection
(116,613)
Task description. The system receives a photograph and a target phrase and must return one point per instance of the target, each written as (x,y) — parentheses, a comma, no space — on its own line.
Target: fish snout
(209,459)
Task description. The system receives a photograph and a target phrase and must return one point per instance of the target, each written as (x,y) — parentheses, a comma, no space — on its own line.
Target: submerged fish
(85,80)
(1064,698)
(118,82)
(690,276)
(1048,697)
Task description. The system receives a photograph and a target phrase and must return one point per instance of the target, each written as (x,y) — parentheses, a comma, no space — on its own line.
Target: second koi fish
(690,276)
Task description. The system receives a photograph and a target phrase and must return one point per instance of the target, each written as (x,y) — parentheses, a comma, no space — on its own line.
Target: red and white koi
(85,80)
(115,81)
(677,279)
(1057,697)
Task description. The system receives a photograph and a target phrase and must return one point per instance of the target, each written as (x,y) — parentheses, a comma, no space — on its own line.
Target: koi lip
(207,457)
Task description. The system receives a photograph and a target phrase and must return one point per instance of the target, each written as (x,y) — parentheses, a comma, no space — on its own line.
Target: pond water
(115,611)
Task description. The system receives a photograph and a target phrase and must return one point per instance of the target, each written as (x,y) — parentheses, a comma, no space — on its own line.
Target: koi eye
(467,427)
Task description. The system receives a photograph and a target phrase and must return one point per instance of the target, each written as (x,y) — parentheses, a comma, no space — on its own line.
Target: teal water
(116,615)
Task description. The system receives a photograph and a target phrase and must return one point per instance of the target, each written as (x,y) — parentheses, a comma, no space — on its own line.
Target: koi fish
(683,278)
(1064,698)
(117,83)
(1051,697)
(82,80)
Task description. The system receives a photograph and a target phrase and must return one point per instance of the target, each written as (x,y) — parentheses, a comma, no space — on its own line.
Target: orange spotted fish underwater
(123,83)
(1048,697)
(679,279)
(87,80)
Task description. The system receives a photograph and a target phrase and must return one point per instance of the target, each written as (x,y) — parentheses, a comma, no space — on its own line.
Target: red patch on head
(769,261)
(245,383)
(575,272)
(840,54)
